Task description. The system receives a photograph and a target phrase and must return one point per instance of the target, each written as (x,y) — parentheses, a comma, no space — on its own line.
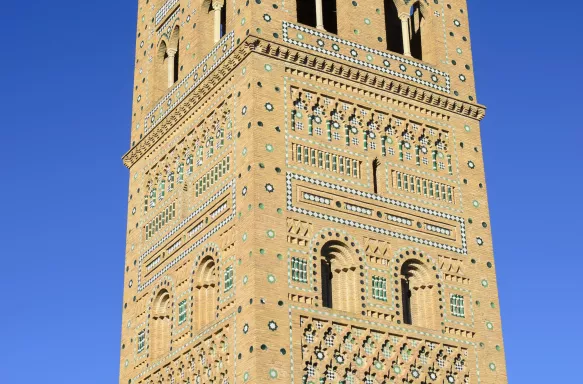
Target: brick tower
(307,199)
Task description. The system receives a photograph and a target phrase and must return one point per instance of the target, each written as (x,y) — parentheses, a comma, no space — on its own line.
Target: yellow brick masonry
(212,296)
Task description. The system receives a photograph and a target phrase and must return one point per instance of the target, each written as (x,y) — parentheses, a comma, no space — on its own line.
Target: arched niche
(338,277)
(419,296)
(205,293)
(161,69)
(160,324)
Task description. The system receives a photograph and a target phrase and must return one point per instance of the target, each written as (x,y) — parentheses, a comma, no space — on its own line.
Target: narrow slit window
(228,278)
(406,293)
(457,305)
(326,276)
(182,312)
(379,288)
(223,27)
(141,341)
(299,270)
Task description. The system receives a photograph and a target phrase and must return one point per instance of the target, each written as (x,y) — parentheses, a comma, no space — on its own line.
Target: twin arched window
(168,62)
(403,29)
(205,296)
(340,290)
(219,10)
(168,54)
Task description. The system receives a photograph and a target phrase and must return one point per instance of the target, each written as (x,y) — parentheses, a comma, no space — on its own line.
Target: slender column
(319,15)
(405,31)
(217,5)
(171,54)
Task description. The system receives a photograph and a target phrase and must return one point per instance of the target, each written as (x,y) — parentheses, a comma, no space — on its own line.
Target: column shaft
(171,55)
(217,26)
(406,37)
(319,15)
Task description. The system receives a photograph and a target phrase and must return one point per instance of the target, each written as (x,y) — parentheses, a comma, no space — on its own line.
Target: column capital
(218,4)
(171,52)
(404,16)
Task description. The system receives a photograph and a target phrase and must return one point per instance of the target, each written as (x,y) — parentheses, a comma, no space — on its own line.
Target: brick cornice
(291,55)
(212,80)
(371,78)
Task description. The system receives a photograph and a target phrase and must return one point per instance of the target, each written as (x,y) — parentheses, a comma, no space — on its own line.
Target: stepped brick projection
(307,198)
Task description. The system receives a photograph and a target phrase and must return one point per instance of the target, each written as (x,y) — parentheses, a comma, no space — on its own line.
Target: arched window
(160,324)
(419,295)
(176,65)
(205,293)
(167,63)
(319,14)
(218,21)
(306,12)
(339,279)
(174,56)
(161,70)
(393,28)
(404,30)
(416,22)
(329,15)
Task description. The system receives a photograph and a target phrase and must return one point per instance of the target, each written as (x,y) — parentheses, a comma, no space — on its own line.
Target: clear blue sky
(65,99)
